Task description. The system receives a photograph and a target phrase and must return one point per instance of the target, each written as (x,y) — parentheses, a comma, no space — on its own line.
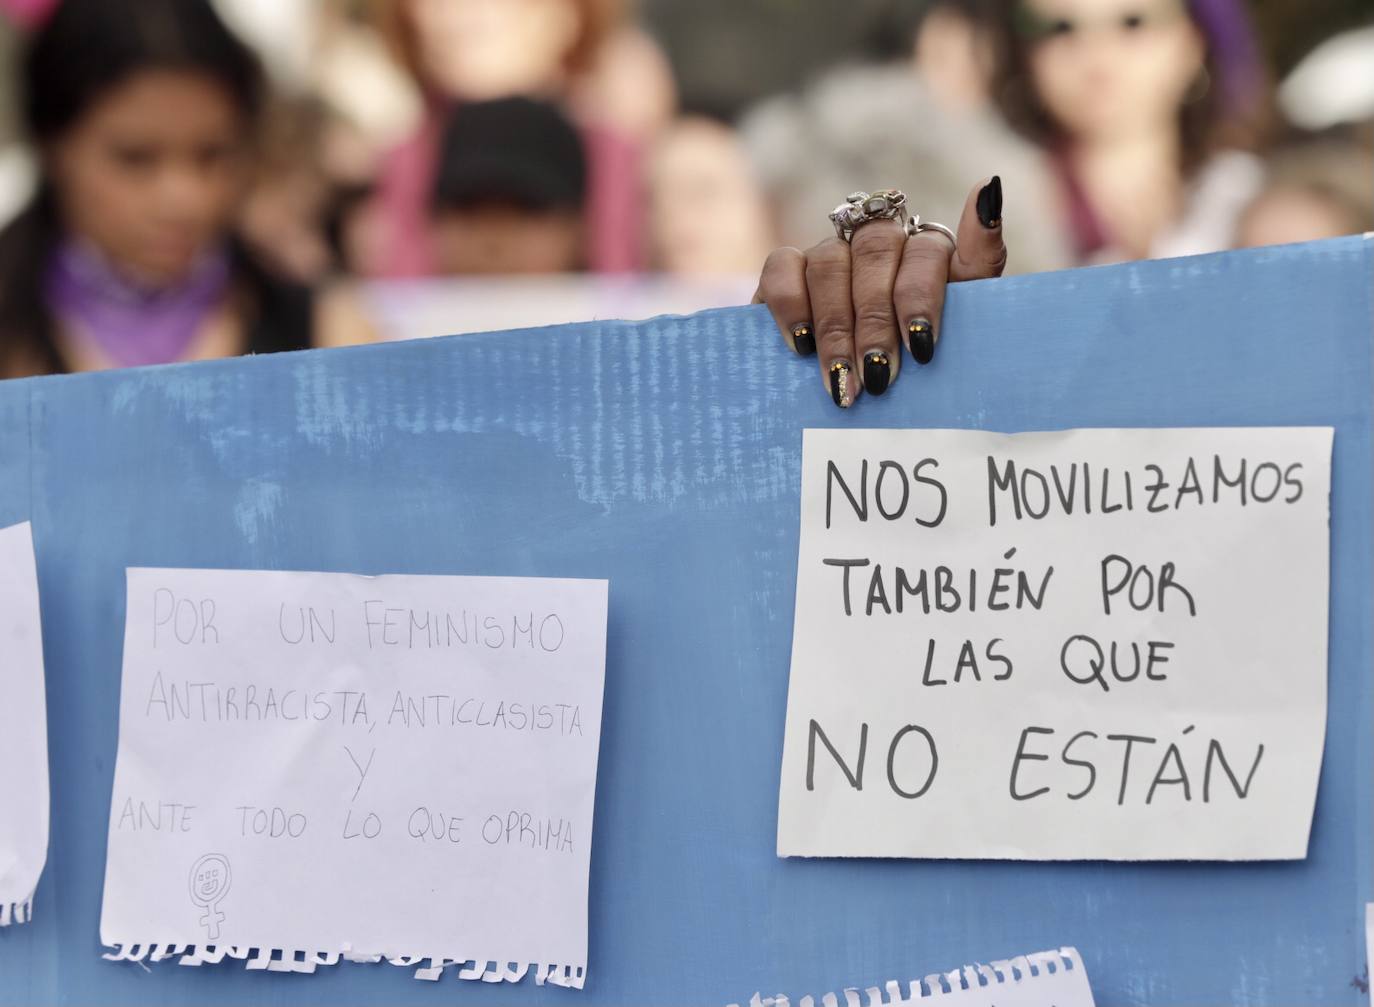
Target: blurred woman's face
(1104,69)
(705,208)
(483,49)
(152,172)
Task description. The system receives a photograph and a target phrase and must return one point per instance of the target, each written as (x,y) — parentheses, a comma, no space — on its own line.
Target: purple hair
(1230,38)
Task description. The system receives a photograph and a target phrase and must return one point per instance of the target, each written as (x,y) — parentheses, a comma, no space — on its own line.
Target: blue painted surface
(665,456)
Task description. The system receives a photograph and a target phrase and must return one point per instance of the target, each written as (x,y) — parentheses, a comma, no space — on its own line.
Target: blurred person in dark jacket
(461,51)
(509,190)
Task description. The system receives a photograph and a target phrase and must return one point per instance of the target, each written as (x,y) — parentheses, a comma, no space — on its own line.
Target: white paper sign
(1043,979)
(1095,644)
(324,764)
(23,729)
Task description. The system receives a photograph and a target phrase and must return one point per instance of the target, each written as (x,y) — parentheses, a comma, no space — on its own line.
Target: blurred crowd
(215,172)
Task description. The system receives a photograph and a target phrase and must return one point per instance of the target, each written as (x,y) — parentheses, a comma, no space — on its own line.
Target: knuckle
(835,336)
(983,264)
(782,260)
(919,290)
(927,252)
(832,252)
(874,317)
(879,239)
(827,265)
(781,274)
(997,261)
(825,280)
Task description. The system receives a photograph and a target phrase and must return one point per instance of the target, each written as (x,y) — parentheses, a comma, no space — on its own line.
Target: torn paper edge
(12,913)
(16,911)
(296,960)
(938,984)
(1368,938)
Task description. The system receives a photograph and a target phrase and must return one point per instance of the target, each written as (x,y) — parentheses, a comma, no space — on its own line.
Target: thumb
(981,253)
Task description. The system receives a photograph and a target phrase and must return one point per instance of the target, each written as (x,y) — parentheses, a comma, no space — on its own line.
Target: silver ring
(860,208)
(916,225)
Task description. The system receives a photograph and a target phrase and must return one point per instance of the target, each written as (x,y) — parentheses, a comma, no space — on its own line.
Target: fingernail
(804,339)
(990,203)
(877,372)
(921,337)
(839,383)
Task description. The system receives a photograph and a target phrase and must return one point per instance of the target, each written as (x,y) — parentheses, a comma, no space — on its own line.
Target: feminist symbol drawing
(209,884)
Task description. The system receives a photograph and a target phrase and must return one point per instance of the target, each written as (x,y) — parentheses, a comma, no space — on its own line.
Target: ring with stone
(860,208)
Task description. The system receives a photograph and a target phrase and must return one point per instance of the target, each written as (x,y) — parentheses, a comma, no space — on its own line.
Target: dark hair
(83,49)
(513,150)
(1232,108)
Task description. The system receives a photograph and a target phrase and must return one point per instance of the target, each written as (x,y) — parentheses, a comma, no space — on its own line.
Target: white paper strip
(1095,644)
(325,766)
(23,729)
(1043,979)
(1368,940)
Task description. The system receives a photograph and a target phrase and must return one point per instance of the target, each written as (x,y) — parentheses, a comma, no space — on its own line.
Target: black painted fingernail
(921,337)
(839,383)
(804,339)
(990,203)
(877,372)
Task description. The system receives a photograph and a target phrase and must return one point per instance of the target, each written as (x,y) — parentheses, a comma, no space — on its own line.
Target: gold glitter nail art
(839,383)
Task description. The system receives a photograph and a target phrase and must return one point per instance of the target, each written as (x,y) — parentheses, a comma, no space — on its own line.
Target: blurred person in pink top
(573,52)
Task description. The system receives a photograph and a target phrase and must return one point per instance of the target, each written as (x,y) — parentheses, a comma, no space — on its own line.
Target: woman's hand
(853,303)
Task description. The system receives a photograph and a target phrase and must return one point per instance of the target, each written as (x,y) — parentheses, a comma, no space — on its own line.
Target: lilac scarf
(133,325)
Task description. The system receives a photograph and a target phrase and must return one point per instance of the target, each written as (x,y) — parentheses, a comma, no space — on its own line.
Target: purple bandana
(133,325)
